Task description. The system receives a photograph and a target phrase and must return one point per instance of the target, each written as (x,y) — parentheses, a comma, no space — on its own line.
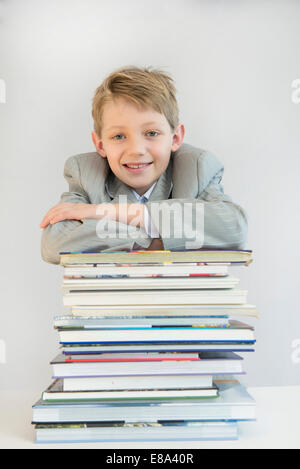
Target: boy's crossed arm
(72,225)
(77,230)
(130,214)
(127,214)
(75,225)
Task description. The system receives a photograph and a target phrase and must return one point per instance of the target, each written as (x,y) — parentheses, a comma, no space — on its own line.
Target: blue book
(136,431)
(233,404)
(235,332)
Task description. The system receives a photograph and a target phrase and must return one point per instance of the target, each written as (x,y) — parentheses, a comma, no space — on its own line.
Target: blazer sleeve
(209,220)
(74,235)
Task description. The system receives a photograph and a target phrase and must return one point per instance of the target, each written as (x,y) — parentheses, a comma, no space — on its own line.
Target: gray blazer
(187,205)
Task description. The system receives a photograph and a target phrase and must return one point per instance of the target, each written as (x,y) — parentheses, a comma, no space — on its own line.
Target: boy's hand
(68,211)
(124,213)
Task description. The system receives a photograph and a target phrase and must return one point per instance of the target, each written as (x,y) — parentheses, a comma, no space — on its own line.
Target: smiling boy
(136,137)
(140,157)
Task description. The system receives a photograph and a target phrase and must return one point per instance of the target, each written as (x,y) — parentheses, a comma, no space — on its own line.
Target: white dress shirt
(150,228)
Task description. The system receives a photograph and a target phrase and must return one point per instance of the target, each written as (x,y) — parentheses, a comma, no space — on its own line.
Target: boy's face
(132,136)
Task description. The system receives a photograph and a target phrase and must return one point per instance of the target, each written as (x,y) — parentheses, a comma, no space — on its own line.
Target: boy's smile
(137,143)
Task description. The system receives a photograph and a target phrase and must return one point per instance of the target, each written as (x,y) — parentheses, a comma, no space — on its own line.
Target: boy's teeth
(136,166)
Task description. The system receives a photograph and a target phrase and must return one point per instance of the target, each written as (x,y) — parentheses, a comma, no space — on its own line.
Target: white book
(236,331)
(140,270)
(89,322)
(55,392)
(161,283)
(143,382)
(165,310)
(155,297)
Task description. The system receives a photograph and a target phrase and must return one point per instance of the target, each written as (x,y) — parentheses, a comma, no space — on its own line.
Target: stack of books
(149,349)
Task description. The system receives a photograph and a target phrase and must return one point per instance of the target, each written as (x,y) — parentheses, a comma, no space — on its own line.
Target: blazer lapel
(115,187)
(164,185)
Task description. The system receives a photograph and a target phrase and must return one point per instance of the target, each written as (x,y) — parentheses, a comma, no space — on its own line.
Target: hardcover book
(193,255)
(233,404)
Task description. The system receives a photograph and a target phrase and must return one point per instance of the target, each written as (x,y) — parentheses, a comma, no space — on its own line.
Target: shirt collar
(146,195)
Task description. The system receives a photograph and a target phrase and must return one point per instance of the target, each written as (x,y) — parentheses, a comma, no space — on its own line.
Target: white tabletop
(277,425)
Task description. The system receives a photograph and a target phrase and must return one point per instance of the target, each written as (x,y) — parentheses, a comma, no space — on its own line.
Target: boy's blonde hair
(142,86)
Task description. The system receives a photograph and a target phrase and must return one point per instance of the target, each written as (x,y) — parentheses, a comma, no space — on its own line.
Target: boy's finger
(49,215)
(50,220)
(58,213)
(44,224)
(58,217)
(46,217)
(44,221)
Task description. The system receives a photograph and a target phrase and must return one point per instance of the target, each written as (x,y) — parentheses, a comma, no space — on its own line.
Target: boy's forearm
(72,235)
(199,223)
(128,214)
(82,234)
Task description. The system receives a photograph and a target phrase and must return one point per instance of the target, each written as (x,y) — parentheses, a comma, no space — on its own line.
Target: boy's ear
(178,137)
(98,145)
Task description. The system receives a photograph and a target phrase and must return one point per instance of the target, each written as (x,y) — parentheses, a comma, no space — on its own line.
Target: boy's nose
(136,147)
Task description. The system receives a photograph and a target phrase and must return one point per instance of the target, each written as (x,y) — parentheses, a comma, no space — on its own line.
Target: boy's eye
(150,133)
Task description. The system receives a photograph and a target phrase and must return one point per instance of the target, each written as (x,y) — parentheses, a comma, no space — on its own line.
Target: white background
(234,63)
